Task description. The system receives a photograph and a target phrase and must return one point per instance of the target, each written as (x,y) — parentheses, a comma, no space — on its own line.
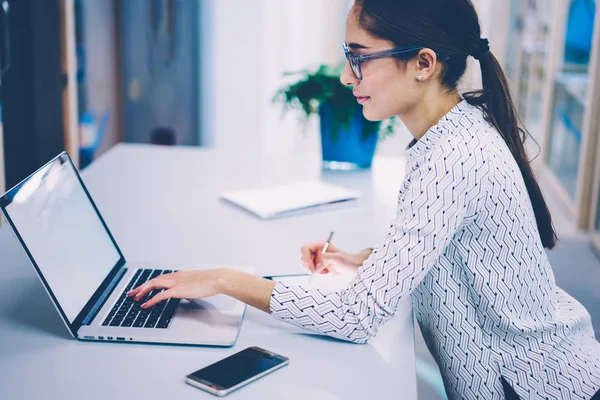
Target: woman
(468,240)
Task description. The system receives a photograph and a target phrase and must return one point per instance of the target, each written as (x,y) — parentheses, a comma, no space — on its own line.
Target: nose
(347,78)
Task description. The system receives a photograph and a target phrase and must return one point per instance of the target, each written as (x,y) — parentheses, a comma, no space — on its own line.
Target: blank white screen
(64,235)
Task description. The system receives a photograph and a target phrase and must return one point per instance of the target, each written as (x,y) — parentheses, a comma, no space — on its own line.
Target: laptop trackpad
(219,302)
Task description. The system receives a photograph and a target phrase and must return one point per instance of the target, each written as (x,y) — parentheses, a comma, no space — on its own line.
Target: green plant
(323,86)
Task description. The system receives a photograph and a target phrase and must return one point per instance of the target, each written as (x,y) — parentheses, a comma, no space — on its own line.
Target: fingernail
(144,305)
(319,266)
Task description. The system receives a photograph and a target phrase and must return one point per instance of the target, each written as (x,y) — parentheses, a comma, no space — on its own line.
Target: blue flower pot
(349,148)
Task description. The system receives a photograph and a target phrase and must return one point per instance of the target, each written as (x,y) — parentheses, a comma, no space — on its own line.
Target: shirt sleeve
(439,195)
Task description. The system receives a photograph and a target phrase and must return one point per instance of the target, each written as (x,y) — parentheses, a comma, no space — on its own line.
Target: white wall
(245,49)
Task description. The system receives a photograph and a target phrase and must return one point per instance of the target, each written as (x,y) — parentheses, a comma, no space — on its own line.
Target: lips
(361,99)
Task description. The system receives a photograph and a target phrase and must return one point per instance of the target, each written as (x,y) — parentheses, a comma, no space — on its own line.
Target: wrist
(250,289)
(366,253)
(222,279)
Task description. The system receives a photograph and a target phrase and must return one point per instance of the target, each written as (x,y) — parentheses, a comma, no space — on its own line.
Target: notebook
(292,199)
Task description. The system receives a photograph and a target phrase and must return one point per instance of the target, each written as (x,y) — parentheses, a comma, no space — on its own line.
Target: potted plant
(348,140)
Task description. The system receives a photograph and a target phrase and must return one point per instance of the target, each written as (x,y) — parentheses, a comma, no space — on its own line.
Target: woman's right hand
(333,261)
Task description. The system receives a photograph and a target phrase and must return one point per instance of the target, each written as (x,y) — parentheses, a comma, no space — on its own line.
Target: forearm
(336,314)
(252,290)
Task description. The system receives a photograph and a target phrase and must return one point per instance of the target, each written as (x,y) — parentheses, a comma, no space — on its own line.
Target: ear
(426,63)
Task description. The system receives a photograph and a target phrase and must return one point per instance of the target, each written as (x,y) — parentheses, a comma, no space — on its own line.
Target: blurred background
(85,75)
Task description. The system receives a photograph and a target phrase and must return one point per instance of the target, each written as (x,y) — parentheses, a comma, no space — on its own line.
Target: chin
(373,115)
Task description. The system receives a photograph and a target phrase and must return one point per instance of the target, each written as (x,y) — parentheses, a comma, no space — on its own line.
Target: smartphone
(237,370)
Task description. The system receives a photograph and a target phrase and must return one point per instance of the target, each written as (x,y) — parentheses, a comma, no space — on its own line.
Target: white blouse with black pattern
(465,246)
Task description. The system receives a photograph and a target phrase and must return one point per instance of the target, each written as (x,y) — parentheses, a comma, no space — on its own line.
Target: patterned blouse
(465,246)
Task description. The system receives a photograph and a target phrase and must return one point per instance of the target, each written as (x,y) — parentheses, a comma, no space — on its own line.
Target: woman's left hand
(180,285)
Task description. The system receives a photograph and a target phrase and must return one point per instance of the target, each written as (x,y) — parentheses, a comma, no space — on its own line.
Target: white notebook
(292,199)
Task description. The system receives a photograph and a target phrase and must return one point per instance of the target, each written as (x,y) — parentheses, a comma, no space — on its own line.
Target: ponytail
(496,102)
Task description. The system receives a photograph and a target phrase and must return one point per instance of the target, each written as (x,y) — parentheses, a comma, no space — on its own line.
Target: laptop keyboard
(128,313)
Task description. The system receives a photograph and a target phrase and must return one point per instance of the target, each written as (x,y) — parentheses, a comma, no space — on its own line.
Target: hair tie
(482,48)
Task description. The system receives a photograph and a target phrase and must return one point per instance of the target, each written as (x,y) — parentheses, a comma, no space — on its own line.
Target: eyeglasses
(355,59)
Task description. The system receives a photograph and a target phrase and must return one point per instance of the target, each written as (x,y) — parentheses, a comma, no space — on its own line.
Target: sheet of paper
(283,200)
(326,282)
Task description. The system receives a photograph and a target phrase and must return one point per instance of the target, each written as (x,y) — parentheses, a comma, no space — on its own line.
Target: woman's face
(388,87)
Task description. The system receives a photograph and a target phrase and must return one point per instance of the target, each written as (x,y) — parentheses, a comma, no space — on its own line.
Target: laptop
(86,275)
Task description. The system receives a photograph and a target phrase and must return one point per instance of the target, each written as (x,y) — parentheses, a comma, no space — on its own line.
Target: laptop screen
(63,233)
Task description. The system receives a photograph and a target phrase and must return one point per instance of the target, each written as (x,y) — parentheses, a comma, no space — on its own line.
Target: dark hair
(451,28)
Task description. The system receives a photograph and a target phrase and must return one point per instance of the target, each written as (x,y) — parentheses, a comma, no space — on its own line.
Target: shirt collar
(447,123)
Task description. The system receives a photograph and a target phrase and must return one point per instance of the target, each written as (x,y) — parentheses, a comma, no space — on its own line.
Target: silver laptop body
(86,275)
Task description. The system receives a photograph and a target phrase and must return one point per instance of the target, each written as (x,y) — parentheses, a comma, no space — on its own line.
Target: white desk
(162,206)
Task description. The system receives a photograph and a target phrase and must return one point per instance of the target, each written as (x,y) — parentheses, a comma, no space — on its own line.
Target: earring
(420,77)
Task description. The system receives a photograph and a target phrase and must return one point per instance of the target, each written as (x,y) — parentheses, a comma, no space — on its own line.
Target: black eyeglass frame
(356,59)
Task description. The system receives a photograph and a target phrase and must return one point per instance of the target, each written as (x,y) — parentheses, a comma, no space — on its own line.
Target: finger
(316,246)
(134,291)
(318,258)
(156,283)
(307,257)
(319,255)
(167,294)
(323,268)
(328,260)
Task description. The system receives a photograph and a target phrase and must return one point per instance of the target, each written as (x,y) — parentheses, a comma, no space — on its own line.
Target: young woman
(468,240)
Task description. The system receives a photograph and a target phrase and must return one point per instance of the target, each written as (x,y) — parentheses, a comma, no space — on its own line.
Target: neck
(428,111)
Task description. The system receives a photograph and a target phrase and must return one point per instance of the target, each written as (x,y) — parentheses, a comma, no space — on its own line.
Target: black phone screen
(237,368)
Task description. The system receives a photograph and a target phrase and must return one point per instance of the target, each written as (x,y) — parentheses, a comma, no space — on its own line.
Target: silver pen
(323,251)
(327,243)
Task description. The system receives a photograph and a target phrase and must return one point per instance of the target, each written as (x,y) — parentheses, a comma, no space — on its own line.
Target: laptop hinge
(103,297)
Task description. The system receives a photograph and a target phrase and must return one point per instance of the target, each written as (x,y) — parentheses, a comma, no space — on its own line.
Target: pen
(326,246)
(324,250)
